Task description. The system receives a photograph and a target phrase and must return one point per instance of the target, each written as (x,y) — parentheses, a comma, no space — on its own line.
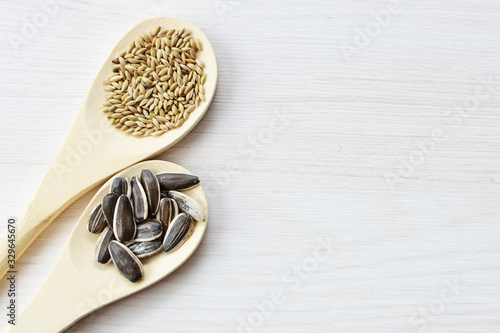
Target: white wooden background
(387,146)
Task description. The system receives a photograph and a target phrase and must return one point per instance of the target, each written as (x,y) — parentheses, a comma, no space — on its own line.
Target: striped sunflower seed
(152,189)
(139,200)
(108,207)
(188,205)
(126,262)
(120,185)
(145,249)
(101,252)
(149,230)
(177,233)
(97,222)
(177,181)
(167,211)
(123,222)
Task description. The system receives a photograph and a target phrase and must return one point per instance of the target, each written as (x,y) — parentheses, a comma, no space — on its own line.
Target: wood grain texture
(332,122)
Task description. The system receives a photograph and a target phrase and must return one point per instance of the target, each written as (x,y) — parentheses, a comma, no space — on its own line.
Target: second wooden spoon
(79,285)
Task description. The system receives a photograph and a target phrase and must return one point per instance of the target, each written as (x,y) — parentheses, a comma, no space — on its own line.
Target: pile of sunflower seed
(140,217)
(156,83)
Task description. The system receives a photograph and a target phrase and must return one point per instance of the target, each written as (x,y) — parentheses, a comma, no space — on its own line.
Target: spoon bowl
(79,285)
(94,150)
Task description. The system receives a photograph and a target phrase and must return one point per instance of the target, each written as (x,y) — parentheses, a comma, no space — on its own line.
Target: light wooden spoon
(94,150)
(79,285)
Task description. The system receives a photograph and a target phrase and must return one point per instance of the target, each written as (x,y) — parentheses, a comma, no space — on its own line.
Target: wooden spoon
(79,285)
(94,150)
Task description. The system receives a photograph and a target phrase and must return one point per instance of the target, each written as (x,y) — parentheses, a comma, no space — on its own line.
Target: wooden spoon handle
(47,204)
(59,303)
(82,163)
